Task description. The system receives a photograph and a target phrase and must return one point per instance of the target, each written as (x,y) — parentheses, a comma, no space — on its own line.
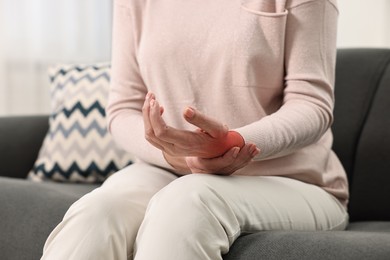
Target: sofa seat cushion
(312,245)
(370,226)
(30,211)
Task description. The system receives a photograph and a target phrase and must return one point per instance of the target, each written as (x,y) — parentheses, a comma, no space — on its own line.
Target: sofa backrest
(362,129)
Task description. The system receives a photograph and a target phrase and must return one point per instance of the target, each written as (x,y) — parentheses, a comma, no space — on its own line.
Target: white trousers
(146,213)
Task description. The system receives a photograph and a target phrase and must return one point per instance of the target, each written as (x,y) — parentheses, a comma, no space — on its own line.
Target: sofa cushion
(362,129)
(370,226)
(358,73)
(370,193)
(30,211)
(77,147)
(19,150)
(324,245)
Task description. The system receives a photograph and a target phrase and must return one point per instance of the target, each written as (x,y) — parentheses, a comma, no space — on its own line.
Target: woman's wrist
(233,139)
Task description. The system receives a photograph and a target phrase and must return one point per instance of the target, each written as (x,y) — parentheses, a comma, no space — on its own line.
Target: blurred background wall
(37,33)
(364,23)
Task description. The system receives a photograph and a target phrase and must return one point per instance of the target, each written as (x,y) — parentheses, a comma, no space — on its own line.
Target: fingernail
(235,152)
(189,112)
(152,102)
(256,152)
(147,95)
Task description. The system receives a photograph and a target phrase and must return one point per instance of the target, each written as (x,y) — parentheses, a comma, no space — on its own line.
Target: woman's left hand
(212,139)
(231,161)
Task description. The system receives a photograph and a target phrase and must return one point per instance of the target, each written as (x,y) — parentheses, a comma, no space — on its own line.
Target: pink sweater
(265,68)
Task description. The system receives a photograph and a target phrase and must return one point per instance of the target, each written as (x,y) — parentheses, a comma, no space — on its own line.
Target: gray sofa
(29,211)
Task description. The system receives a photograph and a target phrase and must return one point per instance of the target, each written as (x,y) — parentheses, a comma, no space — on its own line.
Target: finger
(180,138)
(161,110)
(160,128)
(208,124)
(246,154)
(253,150)
(233,160)
(237,159)
(145,115)
(149,132)
(155,118)
(246,151)
(216,164)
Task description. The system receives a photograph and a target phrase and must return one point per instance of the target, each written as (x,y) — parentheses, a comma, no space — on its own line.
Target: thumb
(207,124)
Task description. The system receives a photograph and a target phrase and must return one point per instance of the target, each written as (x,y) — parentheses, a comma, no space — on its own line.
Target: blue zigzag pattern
(92,168)
(75,80)
(85,111)
(77,127)
(63,72)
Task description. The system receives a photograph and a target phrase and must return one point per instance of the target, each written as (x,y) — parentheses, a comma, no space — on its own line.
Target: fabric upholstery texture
(30,211)
(362,129)
(77,147)
(19,150)
(372,159)
(325,245)
(349,118)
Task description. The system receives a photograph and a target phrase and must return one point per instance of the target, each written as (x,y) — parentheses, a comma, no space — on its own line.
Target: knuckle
(223,128)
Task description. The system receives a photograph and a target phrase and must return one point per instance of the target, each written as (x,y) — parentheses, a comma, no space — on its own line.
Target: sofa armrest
(20,140)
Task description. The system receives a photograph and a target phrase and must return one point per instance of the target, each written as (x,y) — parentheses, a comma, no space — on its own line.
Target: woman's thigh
(141,177)
(280,203)
(203,214)
(263,203)
(103,224)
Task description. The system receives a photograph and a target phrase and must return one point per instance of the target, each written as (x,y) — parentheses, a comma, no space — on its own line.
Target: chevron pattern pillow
(77,147)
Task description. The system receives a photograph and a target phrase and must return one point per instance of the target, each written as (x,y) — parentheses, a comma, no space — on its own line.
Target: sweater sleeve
(307,110)
(127,90)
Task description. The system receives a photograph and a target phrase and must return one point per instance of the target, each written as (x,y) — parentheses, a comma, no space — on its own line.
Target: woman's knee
(189,205)
(188,192)
(190,199)
(102,206)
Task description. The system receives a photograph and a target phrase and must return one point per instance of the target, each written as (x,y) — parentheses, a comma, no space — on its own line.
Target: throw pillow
(77,147)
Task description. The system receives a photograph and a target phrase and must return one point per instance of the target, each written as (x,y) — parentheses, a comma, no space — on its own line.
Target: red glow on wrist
(233,139)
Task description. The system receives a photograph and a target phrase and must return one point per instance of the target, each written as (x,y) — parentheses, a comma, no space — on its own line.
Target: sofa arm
(20,140)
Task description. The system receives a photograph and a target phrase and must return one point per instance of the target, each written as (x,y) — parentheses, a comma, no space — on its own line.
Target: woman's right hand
(211,139)
(233,160)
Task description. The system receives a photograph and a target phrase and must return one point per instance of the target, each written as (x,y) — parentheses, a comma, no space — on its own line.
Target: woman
(263,68)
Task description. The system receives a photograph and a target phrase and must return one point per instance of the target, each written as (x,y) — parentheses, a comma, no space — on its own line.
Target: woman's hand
(212,139)
(231,161)
(178,164)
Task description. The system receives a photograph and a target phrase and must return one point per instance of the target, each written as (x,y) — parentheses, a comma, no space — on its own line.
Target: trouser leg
(103,224)
(199,216)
